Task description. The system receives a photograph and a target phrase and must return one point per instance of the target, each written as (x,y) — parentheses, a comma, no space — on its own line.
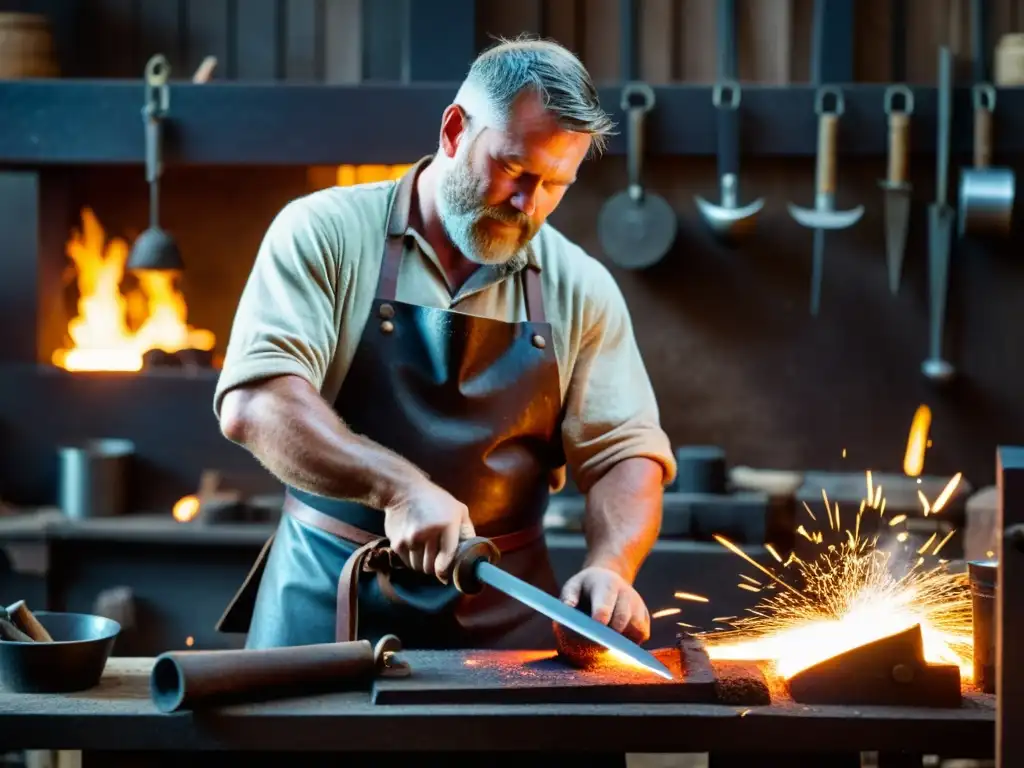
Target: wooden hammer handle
(828,129)
(982,137)
(899,139)
(26,621)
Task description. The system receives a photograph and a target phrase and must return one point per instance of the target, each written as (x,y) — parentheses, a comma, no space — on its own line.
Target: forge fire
(118,323)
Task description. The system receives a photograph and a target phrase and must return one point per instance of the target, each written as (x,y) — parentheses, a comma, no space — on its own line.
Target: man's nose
(525,199)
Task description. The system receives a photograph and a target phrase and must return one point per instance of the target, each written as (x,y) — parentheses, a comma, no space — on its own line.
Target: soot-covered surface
(541,677)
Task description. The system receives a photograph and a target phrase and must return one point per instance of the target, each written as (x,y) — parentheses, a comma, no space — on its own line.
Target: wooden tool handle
(828,129)
(899,135)
(26,621)
(982,137)
(463,569)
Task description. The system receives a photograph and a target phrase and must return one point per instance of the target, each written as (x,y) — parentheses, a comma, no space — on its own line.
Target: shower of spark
(855,592)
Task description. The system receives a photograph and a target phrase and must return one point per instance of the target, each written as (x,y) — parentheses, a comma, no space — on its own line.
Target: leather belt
(375,556)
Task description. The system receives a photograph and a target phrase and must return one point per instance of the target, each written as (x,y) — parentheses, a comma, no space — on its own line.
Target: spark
(947,492)
(685,625)
(690,596)
(853,593)
(927,545)
(917,441)
(751,579)
(941,544)
(809,512)
(772,552)
(924,502)
(737,551)
(665,612)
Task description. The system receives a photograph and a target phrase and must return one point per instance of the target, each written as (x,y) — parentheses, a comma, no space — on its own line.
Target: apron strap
(375,556)
(394,248)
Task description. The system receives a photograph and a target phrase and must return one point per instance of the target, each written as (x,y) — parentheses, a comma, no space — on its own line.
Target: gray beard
(462,217)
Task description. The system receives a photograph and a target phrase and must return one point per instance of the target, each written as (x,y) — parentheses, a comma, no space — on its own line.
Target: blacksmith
(422,361)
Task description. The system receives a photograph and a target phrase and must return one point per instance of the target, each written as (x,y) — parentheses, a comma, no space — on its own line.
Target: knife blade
(474,566)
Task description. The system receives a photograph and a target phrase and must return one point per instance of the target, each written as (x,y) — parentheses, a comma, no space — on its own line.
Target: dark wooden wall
(735,358)
(342,41)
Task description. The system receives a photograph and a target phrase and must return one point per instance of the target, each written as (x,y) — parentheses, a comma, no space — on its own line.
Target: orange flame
(101,335)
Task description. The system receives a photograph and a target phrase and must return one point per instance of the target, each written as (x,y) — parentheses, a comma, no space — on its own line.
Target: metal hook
(899,90)
(158,94)
(641,90)
(982,93)
(819,104)
(727,87)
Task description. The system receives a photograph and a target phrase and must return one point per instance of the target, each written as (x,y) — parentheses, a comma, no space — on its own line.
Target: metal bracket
(641,90)
(899,90)
(823,93)
(158,94)
(726,88)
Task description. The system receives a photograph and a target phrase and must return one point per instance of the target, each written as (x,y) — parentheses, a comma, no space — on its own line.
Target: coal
(182,358)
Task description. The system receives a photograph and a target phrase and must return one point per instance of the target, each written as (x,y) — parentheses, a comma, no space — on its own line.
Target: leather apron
(473,402)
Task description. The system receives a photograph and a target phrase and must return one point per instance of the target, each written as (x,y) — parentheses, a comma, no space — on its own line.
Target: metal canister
(984,579)
(93,478)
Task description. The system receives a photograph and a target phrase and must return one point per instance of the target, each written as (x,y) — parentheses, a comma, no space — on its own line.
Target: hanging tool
(636,228)
(155,249)
(897,189)
(940,228)
(824,216)
(986,193)
(728,221)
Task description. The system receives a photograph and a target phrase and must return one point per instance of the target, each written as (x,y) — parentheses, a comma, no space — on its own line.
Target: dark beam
(1009,618)
(31,311)
(97,122)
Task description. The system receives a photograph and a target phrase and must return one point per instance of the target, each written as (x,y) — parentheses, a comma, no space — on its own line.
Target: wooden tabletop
(118,714)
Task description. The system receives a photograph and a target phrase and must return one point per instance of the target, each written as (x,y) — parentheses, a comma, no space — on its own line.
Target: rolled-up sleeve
(611,413)
(286,321)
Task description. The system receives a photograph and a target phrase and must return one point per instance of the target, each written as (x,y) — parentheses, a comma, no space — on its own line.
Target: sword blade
(897,222)
(567,616)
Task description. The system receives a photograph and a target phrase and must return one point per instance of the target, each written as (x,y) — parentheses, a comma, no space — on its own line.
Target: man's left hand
(613,601)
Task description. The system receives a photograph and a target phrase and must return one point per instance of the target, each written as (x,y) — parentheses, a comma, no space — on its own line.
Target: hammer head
(825,218)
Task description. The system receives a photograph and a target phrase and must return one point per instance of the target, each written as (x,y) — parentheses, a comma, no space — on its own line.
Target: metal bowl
(74,661)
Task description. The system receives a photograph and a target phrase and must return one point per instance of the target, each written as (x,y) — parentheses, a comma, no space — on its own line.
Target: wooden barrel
(26,47)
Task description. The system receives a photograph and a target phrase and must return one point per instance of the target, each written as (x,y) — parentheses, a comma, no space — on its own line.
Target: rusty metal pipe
(197,679)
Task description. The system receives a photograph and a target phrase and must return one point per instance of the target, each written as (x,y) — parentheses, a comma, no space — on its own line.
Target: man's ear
(454,126)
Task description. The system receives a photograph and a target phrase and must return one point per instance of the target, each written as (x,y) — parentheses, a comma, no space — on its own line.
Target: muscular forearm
(623,516)
(297,436)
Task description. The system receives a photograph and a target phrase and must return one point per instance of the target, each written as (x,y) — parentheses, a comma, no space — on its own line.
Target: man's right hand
(424,527)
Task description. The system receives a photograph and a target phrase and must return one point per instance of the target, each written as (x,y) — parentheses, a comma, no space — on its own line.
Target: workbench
(118,717)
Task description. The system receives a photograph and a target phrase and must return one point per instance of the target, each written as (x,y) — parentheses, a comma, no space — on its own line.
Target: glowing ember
(185,509)
(102,335)
(854,593)
(917,441)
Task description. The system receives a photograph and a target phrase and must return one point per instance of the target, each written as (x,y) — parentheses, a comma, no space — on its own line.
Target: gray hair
(510,67)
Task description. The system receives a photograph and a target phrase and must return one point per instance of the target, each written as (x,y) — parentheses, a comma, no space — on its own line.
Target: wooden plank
(540,677)
(257,40)
(384,34)
(658,24)
(111,45)
(343,44)
(160,31)
(927,30)
(207,34)
(426,61)
(500,18)
(601,40)
(802,20)
(764,37)
(303,47)
(696,57)
(561,22)
(873,60)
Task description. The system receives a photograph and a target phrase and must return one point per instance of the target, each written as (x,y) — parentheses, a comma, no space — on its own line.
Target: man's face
(501,185)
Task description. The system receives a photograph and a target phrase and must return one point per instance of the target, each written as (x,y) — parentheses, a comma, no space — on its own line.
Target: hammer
(824,215)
